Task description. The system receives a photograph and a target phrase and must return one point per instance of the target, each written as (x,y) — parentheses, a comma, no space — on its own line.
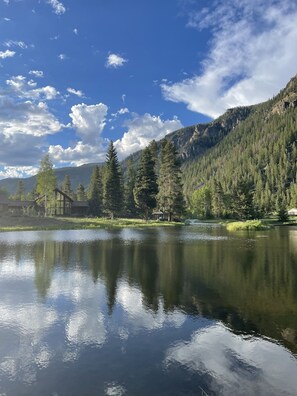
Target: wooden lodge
(61,205)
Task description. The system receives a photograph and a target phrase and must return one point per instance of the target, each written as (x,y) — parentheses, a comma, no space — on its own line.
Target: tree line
(152,185)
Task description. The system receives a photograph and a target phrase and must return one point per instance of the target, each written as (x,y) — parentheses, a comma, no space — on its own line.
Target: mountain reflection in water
(154,311)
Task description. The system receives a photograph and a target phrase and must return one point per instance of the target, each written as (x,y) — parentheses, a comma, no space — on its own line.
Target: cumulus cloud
(58,8)
(75,92)
(26,118)
(75,31)
(27,89)
(24,124)
(252,55)
(36,73)
(7,54)
(141,129)
(89,122)
(115,61)
(20,171)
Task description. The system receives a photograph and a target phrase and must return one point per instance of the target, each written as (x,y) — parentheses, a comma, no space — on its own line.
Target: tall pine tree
(46,182)
(130,205)
(113,196)
(80,193)
(95,193)
(146,187)
(66,186)
(170,195)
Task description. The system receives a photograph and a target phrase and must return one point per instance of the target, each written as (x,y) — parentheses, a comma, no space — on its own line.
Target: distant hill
(80,174)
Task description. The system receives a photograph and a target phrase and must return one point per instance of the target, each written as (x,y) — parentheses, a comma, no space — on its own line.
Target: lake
(190,310)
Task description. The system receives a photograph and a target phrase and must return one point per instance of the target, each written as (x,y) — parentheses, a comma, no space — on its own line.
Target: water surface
(185,311)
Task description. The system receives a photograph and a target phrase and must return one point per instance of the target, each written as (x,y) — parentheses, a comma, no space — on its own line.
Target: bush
(246,225)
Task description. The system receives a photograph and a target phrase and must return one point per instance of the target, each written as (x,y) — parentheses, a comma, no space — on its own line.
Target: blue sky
(75,74)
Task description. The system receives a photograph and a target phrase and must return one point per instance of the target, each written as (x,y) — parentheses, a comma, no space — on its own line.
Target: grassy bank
(69,223)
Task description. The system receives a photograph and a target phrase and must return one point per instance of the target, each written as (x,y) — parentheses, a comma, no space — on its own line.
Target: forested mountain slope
(262,149)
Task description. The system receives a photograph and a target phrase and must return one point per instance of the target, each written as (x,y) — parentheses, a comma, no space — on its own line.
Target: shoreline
(26,223)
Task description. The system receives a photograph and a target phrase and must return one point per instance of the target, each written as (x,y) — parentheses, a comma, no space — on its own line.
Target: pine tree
(66,186)
(46,182)
(146,187)
(80,193)
(20,192)
(170,195)
(130,205)
(95,193)
(243,203)
(113,196)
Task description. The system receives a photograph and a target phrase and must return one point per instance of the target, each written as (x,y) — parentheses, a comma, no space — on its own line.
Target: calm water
(187,311)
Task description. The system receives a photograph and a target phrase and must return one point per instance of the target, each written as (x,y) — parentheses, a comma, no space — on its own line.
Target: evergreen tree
(243,203)
(80,193)
(146,187)
(113,196)
(95,193)
(170,195)
(20,192)
(66,186)
(130,205)
(46,182)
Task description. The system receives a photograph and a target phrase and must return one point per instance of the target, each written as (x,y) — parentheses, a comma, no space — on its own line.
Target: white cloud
(36,73)
(89,122)
(141,130)
(62,57)
(79,154)
(58,8)
(13,43)
(252,55)
(26,118)
(19,171)
(115,61)
(24,89)
(76,92)
(7,54)
(122,111)
(75,31)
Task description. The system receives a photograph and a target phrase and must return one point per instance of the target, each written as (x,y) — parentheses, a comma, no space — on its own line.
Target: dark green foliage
(66,186)
(95,193)
(282,215)
(170,195)
(261,148)
(113,192)
(242,200)
(80,193)
(130,209)
(146,187)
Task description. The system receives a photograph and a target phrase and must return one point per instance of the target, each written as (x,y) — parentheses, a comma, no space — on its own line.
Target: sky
(76,74)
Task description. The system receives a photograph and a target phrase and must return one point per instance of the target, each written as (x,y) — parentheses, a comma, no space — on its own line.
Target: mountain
(80,174)
(260,149)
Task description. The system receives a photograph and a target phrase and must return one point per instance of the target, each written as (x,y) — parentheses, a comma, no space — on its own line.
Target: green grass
(247,225)
(26,223)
